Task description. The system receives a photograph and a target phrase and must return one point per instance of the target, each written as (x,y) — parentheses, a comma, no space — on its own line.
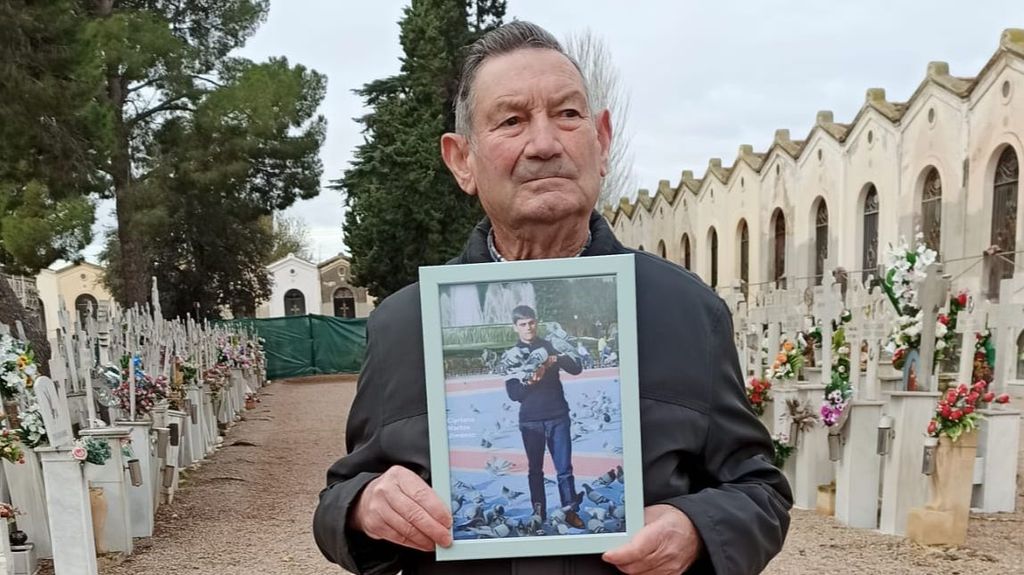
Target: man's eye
(571,113)
(513,121)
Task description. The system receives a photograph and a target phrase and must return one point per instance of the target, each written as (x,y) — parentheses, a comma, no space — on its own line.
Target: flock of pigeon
(499,506)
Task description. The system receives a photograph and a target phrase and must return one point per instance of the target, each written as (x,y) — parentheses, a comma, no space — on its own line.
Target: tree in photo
(52,135)
(249,131)
(404,209)
(606,91)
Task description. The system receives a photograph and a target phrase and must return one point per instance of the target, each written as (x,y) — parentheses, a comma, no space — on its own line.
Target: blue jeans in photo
(553,434)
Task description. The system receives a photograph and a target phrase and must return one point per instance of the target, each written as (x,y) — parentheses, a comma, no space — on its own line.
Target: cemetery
(131,404)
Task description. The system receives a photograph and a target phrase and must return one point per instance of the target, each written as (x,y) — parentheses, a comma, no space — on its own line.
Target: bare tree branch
(607,92)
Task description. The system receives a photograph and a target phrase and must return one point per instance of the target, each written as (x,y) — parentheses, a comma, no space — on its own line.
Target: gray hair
(517,35)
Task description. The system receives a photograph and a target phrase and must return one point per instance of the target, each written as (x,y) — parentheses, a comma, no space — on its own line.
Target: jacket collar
(602,242)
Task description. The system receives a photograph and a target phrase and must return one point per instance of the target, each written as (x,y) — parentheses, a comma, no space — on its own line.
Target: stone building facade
(945,163)
(339,298)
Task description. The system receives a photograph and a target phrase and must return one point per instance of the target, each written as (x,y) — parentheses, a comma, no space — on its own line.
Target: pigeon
(621,476)
(562,528)
(483,532)
(501,530)
(607,479)
(473,408)
(486,444)
(510,494)
(595,526)
(617,512)
(457,504)
(598,513)
(607,417)
(497,466)
(594,496)
(461,486)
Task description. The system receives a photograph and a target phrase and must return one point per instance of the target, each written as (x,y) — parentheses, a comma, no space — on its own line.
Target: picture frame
(534,423)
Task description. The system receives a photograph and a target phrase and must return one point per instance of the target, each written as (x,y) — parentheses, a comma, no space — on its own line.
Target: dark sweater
(546,398)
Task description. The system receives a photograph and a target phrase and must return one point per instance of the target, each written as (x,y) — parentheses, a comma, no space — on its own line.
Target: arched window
(744,237)
(294,303)
(931,210)
(344,303)
(86,306)
(642,248)
(1004,220)
(869,247)
(778,270)
(820,241)
(713,254)
(661,248)
(686,251)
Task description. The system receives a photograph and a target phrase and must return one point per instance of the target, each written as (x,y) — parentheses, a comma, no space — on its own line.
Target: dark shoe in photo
(572,519)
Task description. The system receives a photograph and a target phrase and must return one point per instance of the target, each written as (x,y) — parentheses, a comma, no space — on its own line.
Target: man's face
(536,155)
(527,329)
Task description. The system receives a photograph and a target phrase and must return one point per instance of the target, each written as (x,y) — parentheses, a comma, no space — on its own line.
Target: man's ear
(455,151)
(604,138)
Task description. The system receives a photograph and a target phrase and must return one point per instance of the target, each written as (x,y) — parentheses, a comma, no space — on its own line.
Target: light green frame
(623,269)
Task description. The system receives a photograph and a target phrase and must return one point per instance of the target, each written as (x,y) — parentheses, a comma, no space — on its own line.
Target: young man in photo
(544,413)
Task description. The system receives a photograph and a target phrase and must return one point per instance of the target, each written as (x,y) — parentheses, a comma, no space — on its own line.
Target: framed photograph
(533,405)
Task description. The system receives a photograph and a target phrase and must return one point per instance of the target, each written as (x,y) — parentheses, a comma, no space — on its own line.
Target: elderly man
(529,146)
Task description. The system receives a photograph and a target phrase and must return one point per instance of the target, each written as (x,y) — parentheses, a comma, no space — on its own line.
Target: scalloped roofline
(1011,43)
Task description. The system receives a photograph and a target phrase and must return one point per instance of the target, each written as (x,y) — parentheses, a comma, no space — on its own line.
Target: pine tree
(404,208)
(51,136)
(171,61)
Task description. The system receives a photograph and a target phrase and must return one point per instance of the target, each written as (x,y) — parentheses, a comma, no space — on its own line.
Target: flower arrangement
(759,393)
(148,390)
(32,432)
(9,447)
(905,267)
(788,362)
(91,450)
(984,356)
(956,413)
(783,449)
(9,512)
(838,391)
(17,367)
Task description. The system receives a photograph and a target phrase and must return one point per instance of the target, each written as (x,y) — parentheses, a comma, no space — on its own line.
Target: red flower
(943,319)
(956,415)
(961,389)
(932,426)
(980,385)
(973,397)
(946,411)
(988,397)
(961,299)
(969,409)
(1004,398)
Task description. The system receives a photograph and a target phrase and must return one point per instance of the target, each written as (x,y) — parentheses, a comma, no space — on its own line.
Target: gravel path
(248,510)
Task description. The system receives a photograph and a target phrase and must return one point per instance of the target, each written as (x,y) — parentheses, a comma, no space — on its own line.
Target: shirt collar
(496,256)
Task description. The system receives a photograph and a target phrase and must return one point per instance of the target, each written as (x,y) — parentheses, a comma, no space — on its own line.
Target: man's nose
(543,141)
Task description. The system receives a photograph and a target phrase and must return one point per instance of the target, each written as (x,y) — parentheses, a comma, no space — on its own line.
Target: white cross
(932,296)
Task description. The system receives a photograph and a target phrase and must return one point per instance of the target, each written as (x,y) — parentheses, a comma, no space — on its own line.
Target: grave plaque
(55,413)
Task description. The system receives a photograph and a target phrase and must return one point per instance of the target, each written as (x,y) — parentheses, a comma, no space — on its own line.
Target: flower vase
(943,521)
(98,505)
(835,444)
(18,537)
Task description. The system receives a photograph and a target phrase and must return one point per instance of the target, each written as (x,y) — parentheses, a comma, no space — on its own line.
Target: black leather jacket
(704,451)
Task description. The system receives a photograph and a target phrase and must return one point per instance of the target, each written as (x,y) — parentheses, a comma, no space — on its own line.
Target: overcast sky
(703,77)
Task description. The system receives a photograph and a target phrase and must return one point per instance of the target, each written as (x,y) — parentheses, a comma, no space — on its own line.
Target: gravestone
(1006,320)
(55,413)
(932,296)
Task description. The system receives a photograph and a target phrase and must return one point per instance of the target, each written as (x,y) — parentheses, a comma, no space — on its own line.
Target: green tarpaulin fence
(310,344)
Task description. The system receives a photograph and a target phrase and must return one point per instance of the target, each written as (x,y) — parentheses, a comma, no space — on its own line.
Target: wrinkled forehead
(528,74)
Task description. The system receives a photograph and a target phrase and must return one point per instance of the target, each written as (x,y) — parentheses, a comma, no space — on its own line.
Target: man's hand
(400,507)
(667,545)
